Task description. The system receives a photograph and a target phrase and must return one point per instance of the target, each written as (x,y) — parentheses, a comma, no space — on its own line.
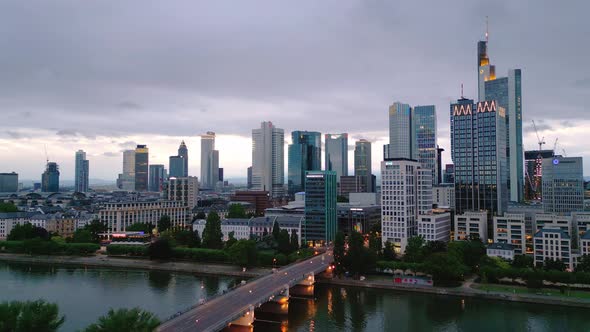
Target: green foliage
(397,265)
(160,249)
(375,243)
(185,237)
(271,258)
(523,261)
(164,223)
(388,252)
(294,240)
(283,242)
(82,236)
(95,228)
(446,269)
(123,320)
(236,211)
(583,264)
(534,280)
(40,247)
(130,250)
(432,247)
(197,243)
(339,263)
(201,254)
(28,316)
(26,232)
(8,207)
(212,236)
(79,249)
(243,253)
(341,199)
(140,227)
(58,239)
(276,230)
(554,264)
(414,250)
(469,252)
(358,260)
(231,240)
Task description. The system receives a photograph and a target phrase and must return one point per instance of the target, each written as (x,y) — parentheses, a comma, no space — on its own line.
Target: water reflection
(159,281)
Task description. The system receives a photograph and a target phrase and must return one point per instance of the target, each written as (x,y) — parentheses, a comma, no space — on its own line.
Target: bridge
(237,306)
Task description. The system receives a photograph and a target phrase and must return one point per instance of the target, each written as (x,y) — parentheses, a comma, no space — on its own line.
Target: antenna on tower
(487,29)
(46,156)
(461,90)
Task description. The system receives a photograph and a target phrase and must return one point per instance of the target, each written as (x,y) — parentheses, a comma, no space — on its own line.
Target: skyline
(346,84)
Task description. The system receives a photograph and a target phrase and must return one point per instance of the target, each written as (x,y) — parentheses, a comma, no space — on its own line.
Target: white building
(128,176)
(553,243)
(117,216)
(184,190)
(268,169)
(469,223)
(545,220)
(10,219)
(502,250)
(243,228)
(443,196)
(585,244)
(209,161)
(240,227)
(510,229)
(403,197)
(435,227)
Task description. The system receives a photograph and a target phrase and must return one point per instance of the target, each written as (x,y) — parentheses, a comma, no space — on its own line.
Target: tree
(414,250)
(375,243)
(96,227)
(236,211)
(27,232)
(276,230)
(160,249)
(27,316)
(523,261)
(388,251)
(583,264)
(554,264)
(432,247)
(264,232)
(230,239)
(212,236)
(164,223)
(244,253)
(355,253)
(294,240)
(200,216)
(82,236)
(446,270)
(283,242)
(197,243)
(339,252)
(140,227)
(8,207)
(534,280)
(125,320)
(185,237)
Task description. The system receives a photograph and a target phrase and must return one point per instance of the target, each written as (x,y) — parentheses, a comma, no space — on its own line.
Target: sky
(103,76)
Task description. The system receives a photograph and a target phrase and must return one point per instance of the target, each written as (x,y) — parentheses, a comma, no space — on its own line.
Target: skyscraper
(176,165)
(425,123)
(209,161)
(141,168)
(402,132)
(534,173)
(50,178)
(183,153)
(507,93)
(81,170)
(362,163)
(126,180)
(478,141)
(157,177)
(336,156)
(305,154)
(439,171)
(563,185)
(320,222)
(8,182)
(268,166)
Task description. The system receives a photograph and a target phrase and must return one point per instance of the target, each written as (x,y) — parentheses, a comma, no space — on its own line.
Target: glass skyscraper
(157,178)
(209,161)
(563,185)
(362,164)
(425,123)
(336,158)
(320,222)
(50,178)
(81,172)
(402,132)
(176,165)
(268,165)
(141,168)
(305,154)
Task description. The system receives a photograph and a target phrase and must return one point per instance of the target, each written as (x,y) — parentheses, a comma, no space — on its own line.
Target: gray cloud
(582,83)
(15,134)
(111,154)
(129,105)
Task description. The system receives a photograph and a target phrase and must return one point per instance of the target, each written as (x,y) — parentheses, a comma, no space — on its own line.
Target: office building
(183,153)
(119,215)
(8,182)
(449,174)
(533,161)
(402,132)
(507,92)
(176,166)
(209,161)
(425,123)
(157,176)
(249,177)
(356,184)
(336,156)
(259,199)
(478,150)
(268,166)
(359,217)
(510,229)
(406,192)
(585,244)
(362,164)
(126,180)
(141,168)
(554,244)
(320,223)
(439,171)
(563,185)
(50,178)
(435,226)
(444,196)
(184,190)
(220,174)
(305,154)
(548,220)
(81,172)
(471,224)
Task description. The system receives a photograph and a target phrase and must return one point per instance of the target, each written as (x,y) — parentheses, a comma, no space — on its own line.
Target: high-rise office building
(221,174)
(81,170)
(507,93)
(425,123)
(183,153)
(157,178)
(126,180)
(249,177)
(439,172)
(141,168)
(402,132)
(8,182)
(209,161)
(406,193)
(184,190)
(533,184)
(305,154)
(268,166)
(176,165)
(449,174)
(320,222)
(50,178)
(563,185)
(478,141)
(336,155)
(362,163)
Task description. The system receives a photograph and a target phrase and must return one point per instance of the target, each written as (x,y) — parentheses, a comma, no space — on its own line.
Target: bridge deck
(215,314)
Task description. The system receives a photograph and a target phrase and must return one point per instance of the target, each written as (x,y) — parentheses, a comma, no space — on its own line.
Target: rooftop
(501,246)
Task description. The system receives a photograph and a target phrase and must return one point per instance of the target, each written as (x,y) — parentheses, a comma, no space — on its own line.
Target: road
(215,314)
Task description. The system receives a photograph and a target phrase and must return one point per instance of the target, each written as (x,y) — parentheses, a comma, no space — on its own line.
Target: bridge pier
(246,319)
(309,280)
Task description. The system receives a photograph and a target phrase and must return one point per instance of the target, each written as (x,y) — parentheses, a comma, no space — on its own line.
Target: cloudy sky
(104,75)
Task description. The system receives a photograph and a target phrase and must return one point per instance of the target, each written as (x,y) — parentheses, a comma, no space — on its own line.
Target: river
(84,294)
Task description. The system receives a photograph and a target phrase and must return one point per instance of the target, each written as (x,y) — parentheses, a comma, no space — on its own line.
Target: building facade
(533,188)
(435,227)
(563,185)
(425,123)
(126,180)
(336,156)
(176,166)
(209,161)
(357,217)
(510,229)
(471,224)
(305,154)
(268,165)
(320,224)
(444,196)
(363,164)
(50,178)
(117,216)
(141,168)
(157,175)
(81,172)
(402,132)
(555,244)
(8,182)
(185,190)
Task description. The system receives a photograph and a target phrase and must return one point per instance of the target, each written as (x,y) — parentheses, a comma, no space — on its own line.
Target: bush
(201,254)
(129,250)
(41,247)
(37,315)
(80,249)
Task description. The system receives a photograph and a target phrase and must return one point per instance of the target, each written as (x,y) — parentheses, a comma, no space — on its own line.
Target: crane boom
(540,141)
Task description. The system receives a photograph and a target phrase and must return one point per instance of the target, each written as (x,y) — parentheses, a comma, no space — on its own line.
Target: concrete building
(435,226)
(10,219)
(268,167)
(157,177)
(510,229)
(356,184)
(547,220)
(402,132)
(185,190)
(555,244)
(503,250)
(363,165)
(50,178)
(305,154)
(336,156)
(585,244)
(534,173)
(126,180)
(471,224)
(358,217)
(443,196)
(563,185)
(8,182)
(141,168)
(240,227)
(183,153)
(259,199)
(449,174)
(209,161)
(81,172)
(425,123)
(406,192)
(320,224)
(176,166)
(119,215)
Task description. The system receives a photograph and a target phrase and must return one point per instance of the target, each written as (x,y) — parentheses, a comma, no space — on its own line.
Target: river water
(85,294)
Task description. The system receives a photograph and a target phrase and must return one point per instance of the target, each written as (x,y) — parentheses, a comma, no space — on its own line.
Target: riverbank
(464,291)
(140,264)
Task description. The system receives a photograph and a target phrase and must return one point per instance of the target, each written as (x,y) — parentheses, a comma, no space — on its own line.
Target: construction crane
(46,155)
(540,141)
(555,145)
